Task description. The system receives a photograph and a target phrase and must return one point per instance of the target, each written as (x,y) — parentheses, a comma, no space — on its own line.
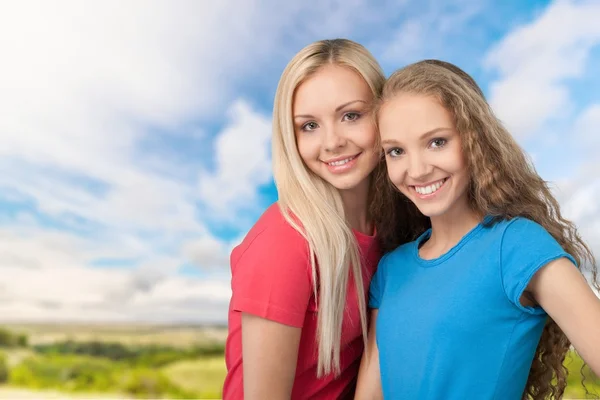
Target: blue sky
(135,137)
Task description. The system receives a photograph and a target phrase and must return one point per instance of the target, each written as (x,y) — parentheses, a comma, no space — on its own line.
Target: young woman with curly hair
(486,303)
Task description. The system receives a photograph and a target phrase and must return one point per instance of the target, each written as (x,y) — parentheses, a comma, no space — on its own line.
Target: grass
(204,376)
(129,334)
(14,393)
(15,356)
(207,376)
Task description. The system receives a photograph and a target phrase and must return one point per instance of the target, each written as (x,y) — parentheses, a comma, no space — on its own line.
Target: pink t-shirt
(271,278)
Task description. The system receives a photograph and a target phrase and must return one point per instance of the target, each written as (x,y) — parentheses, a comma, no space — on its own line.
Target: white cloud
(587,127)
(45,277)
(207,252)
(536,65)
(426,33)
(578,197)
(171,300)
(82,82)
(406,43)
(243,162)
(534,61)
(85,85)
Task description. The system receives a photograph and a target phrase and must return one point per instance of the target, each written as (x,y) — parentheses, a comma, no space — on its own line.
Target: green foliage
(203,376)
(135,372)
(89,374)
(150,383)
(3,368)
(64,372)
(113,351)
(22,340)
(5,337)
(10,339)
(150,355)
(152,371)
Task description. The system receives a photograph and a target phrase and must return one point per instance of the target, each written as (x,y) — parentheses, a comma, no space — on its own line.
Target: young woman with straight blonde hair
(297,317)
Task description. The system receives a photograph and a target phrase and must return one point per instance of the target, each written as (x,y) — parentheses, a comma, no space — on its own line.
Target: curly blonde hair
(503,184)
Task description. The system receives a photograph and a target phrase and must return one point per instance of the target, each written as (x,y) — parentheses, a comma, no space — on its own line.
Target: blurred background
(135,153)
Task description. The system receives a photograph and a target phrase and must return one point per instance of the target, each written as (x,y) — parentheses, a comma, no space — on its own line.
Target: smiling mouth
(338,163)
(429,189)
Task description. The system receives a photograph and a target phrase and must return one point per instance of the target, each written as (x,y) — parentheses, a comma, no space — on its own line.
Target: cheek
(458,159)
(364,135)
(461,167)
(395,172)
(370,138)
(306,148)
(462,173)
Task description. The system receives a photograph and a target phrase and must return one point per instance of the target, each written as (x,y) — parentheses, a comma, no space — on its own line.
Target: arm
(270,354)
(561,290)
(368,386)
(271,289)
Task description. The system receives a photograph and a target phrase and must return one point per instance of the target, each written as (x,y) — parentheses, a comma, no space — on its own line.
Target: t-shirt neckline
(438,260)
(363,238)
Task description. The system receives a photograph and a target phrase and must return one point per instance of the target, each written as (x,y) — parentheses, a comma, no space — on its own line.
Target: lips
(430,189)
(341,160)
(342,164)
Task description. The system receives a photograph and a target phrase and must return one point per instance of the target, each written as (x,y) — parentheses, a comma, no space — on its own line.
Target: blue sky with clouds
(135,136)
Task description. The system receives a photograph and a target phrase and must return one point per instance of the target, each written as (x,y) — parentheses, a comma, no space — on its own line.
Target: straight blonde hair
(314,207)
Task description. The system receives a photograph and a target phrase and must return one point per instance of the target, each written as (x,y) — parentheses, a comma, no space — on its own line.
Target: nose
(418,167)
(333,141)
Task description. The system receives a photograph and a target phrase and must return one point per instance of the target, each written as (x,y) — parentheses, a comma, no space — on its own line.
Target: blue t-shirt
(453,327)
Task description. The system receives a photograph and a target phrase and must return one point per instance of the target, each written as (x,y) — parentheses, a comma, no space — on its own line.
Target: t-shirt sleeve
(526,247)
(377,285)
(272,277)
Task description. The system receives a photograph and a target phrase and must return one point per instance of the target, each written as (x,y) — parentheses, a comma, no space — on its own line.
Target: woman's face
(424,154)
(334,133)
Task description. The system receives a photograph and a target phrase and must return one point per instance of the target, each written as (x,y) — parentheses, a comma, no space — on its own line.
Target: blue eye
(438,142)
(309,126)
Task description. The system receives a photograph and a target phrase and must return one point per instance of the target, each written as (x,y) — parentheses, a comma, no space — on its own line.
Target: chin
(344,185)
(347,183)
(432,214)
(432,211)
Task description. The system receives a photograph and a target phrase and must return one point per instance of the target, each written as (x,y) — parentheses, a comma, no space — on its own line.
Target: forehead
(329,87)
(408,114)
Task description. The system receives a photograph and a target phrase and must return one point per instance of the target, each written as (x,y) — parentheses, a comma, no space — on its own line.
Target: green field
(138,361)
(111,361)
(204,376)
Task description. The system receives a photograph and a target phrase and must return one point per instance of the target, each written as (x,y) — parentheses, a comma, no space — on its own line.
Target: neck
(449,228)
(356,207)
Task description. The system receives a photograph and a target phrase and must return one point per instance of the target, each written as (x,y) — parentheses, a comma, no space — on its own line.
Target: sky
(135,136)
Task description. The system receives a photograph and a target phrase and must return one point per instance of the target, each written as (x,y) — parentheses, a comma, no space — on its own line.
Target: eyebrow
(426,135)
(336,110)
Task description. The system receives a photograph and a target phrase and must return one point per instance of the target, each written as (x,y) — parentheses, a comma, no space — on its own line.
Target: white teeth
(429,189)
(341,162)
